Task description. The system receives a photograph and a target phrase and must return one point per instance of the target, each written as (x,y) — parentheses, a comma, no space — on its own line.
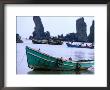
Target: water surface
(53,50)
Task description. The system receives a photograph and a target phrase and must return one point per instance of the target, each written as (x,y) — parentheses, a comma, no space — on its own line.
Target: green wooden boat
(39,60)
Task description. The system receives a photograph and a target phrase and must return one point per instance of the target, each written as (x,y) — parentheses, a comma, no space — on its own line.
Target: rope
(22,59)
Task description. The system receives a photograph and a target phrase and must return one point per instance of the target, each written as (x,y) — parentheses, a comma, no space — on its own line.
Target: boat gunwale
(39,57)
(48,60)
(59,58)
(42,53)
(51,61)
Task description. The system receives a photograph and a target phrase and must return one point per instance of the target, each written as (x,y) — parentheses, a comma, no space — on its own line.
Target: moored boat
(55,42)
(39,41)
(51,42)
(38,60)
(79,46)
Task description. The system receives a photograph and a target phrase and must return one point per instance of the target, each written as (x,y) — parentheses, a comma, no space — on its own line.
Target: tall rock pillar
(38,29)
(91,35)
(81,29)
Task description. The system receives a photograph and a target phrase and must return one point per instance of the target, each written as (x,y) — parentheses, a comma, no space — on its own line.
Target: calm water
(53,50)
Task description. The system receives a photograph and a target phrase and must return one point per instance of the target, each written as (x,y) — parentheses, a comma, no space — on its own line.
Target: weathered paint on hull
(38,60)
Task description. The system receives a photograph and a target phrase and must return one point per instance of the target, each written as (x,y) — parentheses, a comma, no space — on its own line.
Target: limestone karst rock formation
(38,29)
(79,36)
(39,33)
(81,29)
(91,35)
(18,39)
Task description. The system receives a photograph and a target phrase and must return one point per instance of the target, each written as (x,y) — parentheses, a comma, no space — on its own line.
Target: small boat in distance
(51,42)
(79,46)
(38,60)
(34,41)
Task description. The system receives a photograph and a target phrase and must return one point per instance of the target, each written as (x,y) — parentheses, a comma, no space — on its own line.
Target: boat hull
(47,42)
(39,41)
(38,60)
(76,46)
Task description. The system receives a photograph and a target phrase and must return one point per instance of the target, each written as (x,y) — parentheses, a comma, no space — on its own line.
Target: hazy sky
(55,25)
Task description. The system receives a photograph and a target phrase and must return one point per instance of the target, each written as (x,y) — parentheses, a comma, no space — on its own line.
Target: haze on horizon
(56,25)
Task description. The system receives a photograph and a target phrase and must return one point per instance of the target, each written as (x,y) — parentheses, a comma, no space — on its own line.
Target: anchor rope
(22,59)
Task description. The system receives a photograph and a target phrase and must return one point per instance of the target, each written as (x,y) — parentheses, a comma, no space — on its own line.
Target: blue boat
(79,46)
